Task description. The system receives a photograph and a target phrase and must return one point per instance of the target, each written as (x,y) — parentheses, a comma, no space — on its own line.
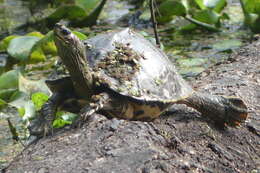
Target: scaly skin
(228,110)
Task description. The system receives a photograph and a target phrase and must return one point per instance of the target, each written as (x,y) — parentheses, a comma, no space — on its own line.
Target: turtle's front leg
(42,125)
(98,102)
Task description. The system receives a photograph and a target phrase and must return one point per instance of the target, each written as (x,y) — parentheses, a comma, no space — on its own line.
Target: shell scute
(134,67)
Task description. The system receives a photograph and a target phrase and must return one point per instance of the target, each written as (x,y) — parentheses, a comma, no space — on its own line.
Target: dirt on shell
(179,141)
(122,63)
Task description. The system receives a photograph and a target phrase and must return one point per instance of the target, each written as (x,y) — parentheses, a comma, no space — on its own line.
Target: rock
(176,142)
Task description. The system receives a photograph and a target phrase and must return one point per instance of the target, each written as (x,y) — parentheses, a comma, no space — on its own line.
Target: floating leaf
(9,80)
(37,55)
(189,62)
(216,5)
(191,71)
(220,6)
(2,103)
(20,47)
(70,12)
(80,35)
(200,3)
(49,48)
(35,34)
(5,42)
(31,86)
(88,5)
(207,16)
(168,9)
(18,99)
(227,45)
(39,99)
(6,94)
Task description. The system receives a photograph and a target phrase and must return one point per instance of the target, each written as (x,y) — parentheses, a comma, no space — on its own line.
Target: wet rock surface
(179,141)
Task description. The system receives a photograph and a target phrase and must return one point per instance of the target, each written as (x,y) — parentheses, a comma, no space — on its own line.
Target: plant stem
(151,4)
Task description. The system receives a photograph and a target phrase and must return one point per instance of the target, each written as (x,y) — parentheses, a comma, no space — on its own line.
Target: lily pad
(226,45)
(20,47)
(191,71)
(5,42)
(31,86)
(189,62)
(71,12)
(35,34)
(88,5)
(207,16)
(217,5)
(168,9)
(2,103)
(9,80)
(37,55)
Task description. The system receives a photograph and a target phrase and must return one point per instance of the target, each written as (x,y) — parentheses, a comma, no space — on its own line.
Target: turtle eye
(65,31)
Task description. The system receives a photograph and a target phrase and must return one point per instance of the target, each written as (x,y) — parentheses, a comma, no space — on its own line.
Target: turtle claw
(84,117)
(40,127)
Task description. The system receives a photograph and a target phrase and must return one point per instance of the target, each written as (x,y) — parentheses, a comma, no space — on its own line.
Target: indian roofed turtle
(123,75)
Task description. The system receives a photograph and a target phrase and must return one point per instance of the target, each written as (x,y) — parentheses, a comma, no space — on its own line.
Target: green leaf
(252,6)
(189,62)
(35,34)
(170,8)
(5,42)
(200,3)
(39,99)
(216,5)
(227,45)
(21,112)
(20,47)
(80,35)
(58,123)
(29,110)
(9,80)
(32,86)
(88,5)
(18,99)
(6,94)
(68,116)
(70,12)
(64,118)
(47,44)
(207,16)
(191,71)
(2,103)
(220,6)
(37,55)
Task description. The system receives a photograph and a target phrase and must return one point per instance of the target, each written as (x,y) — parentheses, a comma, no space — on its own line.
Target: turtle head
(73,55)
(68,44)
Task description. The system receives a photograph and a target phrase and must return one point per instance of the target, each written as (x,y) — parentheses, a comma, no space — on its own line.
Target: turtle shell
(132,66)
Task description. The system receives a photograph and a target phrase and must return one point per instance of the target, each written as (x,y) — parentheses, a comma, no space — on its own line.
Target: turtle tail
(224,110)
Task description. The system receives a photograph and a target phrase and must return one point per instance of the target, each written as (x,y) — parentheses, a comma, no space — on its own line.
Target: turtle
(123,75)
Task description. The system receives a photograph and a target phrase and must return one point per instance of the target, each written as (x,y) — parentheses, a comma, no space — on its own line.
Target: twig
(151,4)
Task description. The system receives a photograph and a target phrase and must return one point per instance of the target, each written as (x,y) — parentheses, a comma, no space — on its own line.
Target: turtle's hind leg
(224,110)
